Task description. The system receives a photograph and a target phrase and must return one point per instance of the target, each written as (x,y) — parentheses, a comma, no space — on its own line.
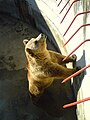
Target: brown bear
(44,65)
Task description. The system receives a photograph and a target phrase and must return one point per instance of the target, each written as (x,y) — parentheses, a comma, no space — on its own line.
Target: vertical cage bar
(76,32)
(76,49)
(68,10)
(74,20)
(59,3)
(64,7)
(76,73)
(77,102)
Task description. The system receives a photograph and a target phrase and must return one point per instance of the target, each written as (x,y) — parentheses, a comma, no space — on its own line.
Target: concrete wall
(47,17)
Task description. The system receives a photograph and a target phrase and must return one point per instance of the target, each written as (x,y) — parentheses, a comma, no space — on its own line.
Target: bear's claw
(74,57)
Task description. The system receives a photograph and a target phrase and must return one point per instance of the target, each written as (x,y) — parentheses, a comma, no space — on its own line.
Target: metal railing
(84,25)
(69,10)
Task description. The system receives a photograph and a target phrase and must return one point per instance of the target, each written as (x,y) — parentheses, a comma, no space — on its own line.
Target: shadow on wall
(77,81)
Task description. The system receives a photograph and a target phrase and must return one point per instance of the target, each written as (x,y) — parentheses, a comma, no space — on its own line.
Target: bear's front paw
(74,57)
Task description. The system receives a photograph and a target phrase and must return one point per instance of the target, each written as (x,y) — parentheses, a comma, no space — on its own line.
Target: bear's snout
(41,37)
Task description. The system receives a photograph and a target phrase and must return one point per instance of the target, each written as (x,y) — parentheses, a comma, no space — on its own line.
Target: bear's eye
(36,42)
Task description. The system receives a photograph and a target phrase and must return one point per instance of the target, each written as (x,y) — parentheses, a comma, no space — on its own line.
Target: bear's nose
(42,35)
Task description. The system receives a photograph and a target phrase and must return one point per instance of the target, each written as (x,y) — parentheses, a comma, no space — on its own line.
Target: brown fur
(44,65)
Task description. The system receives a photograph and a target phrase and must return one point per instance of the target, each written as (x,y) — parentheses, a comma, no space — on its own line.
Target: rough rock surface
(15,103)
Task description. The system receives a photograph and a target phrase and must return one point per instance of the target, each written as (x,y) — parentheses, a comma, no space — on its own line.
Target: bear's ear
(25,41)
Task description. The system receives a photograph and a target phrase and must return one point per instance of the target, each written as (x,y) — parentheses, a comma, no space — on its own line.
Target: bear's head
(35,45)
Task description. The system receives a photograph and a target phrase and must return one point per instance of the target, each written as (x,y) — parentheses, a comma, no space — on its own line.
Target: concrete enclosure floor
(15,103)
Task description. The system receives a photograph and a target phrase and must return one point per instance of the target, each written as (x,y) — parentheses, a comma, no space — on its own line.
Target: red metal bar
(75,103)
(75,49)
(59,3)
(75,74)
(74,20)
(68,10)
(76,32)
(64,6)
